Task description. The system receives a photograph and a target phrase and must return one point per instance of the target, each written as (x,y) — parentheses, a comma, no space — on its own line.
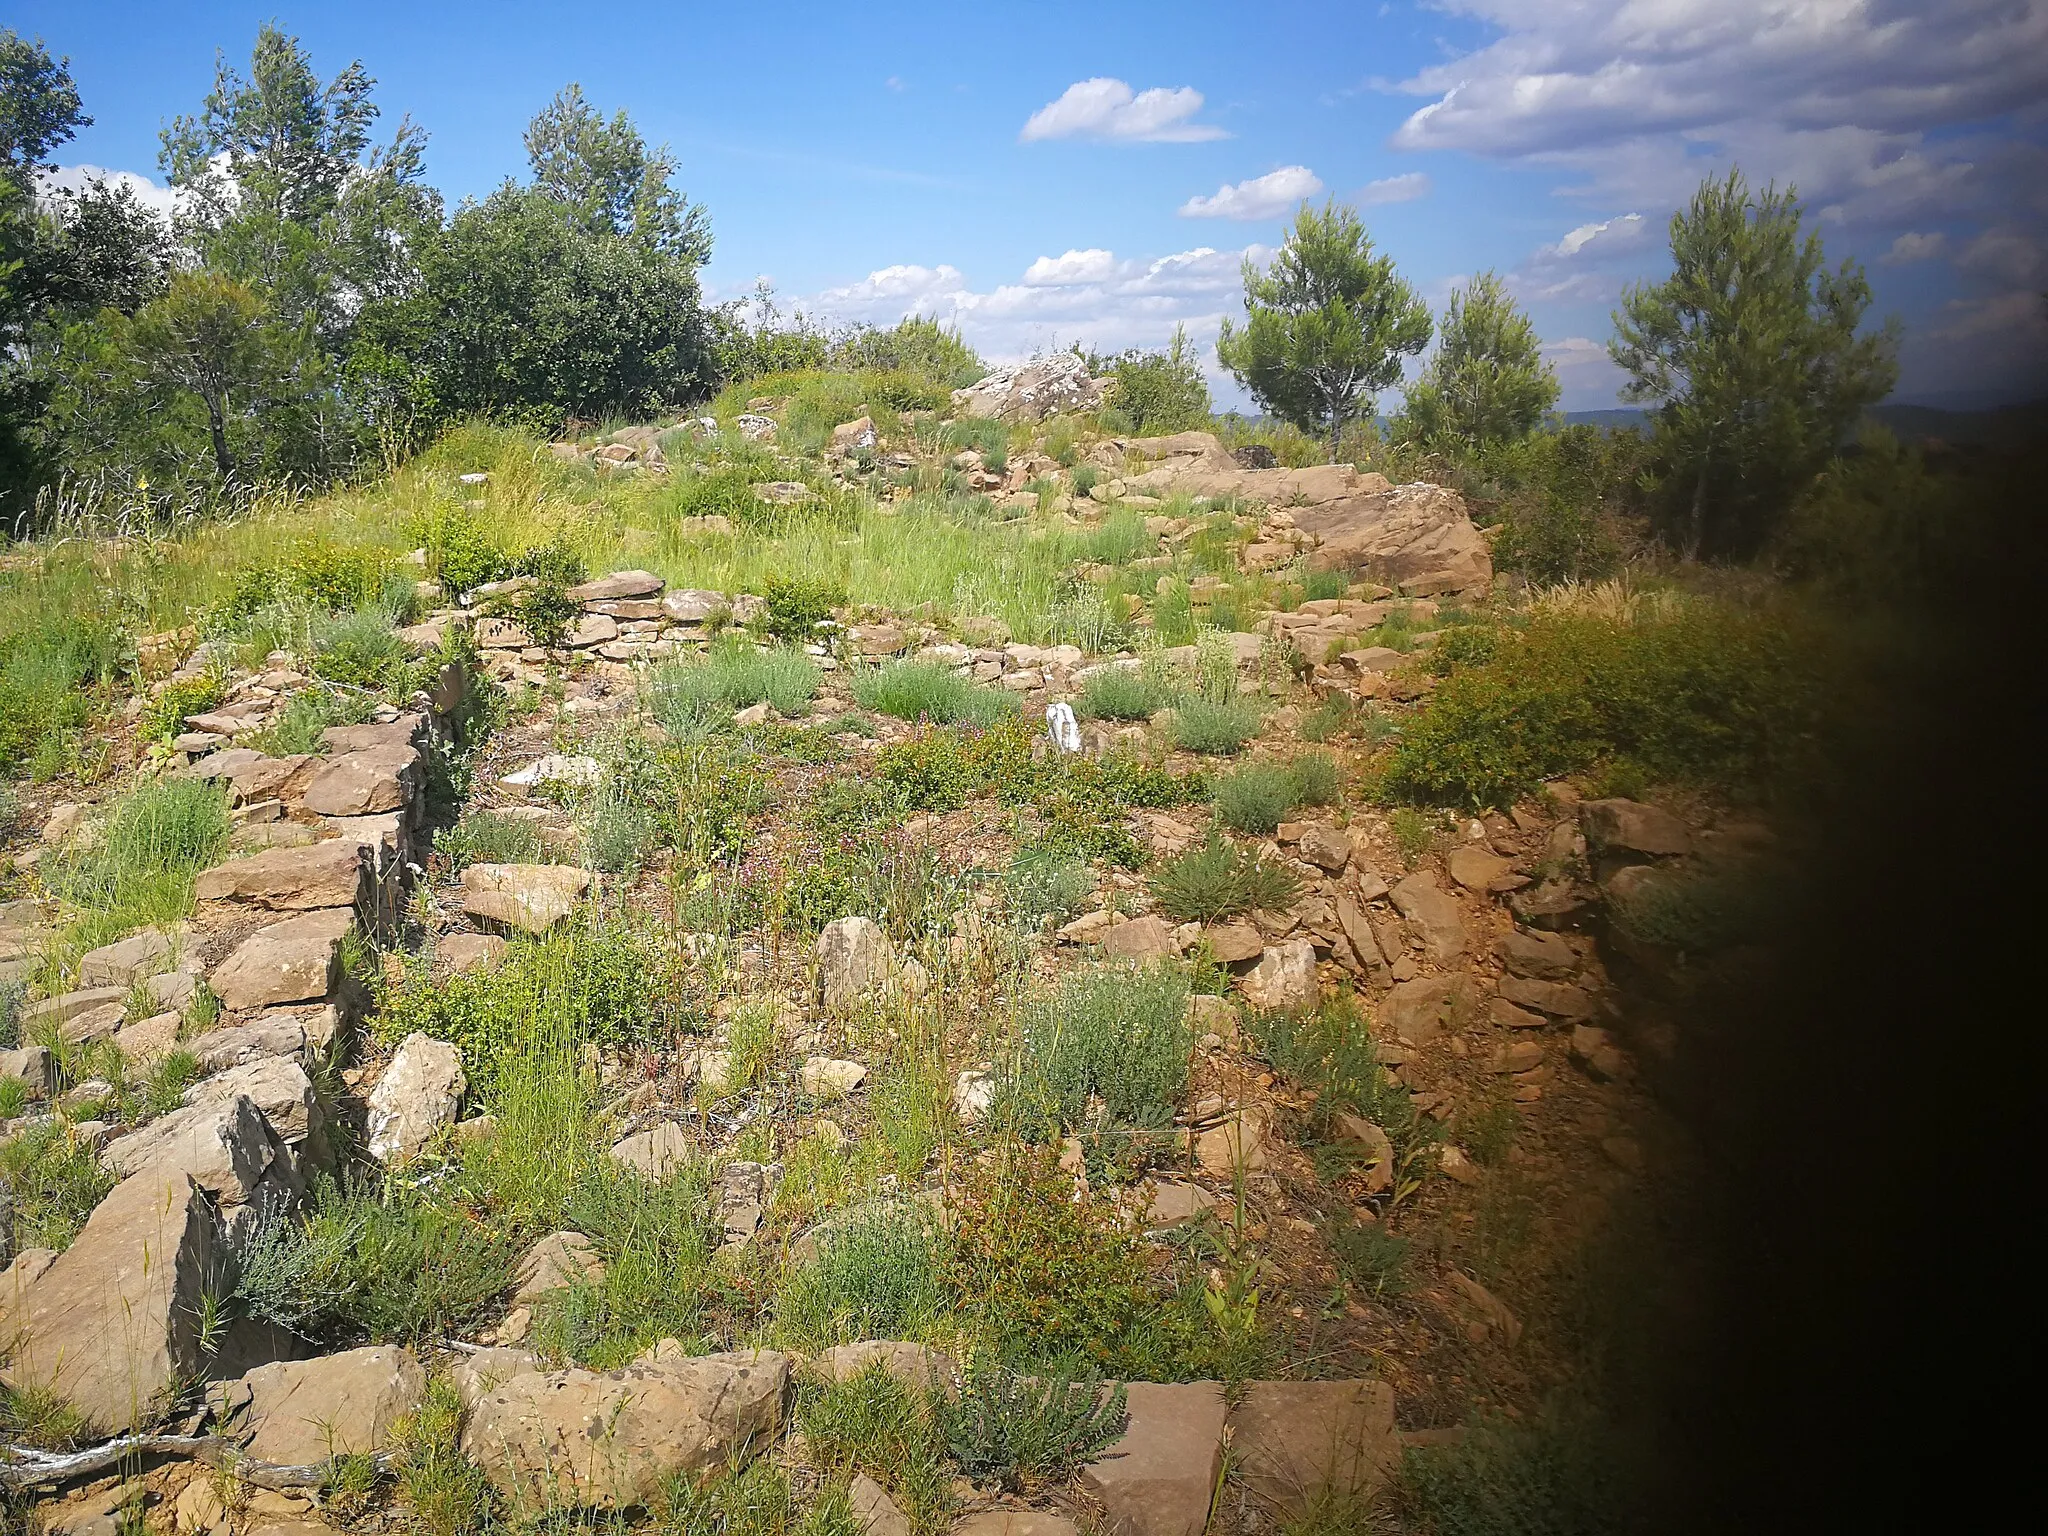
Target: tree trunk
(1698,522)
(1336,433)
(216,419)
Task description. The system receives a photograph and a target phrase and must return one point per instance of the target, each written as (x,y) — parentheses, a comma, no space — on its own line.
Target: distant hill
(2009,426)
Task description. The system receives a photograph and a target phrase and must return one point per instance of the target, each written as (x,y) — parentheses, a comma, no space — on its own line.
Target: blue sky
(1051,173)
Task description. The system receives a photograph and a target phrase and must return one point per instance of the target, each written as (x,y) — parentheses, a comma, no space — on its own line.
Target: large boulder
(1630,827)
(224,1145)
(295,961)
(112,1326)
(1159,1477)
(301,1412)
(1284,980)
(1298,1442)
(1416,538)
(127,961)
(329,874)
(1139,938)
(854,960)
(1033,391)
(417,1095)
(609,1440)
(529,897)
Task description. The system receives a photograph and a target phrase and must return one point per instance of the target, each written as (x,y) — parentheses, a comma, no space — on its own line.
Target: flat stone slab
(305,1411)
(1157,1480)
(529,897)
(1295,1441)
(329,874)
(295,961)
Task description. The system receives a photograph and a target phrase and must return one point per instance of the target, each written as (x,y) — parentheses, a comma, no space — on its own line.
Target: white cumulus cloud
(75,178)
(1262,197)
(1106,108)
(1090,266)
(1912,246)
(1580,266)
(1394,189)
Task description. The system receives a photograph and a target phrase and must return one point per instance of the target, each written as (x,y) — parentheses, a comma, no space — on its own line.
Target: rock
(655,1154)
(148,1040)
(1433,916)
(1627,826)
(692,605)
(1158,1478)
(1416,538)
(417,1096)
(199,1510)
(1172,1202)
(112,1326)
(620,584)
(1552,997)
(753,715)
(1030,392)
(609,1440)
(464,952)
(755,429)
(590,630)
(1014,1522)
(1294,1442)
(1284,980)
(826,1079)
(330,874)
(306,1411)
(271,1035)
(63,819)
(1239,1143)
(226,1146)
(575,770)
(365,783)
(1486,1308)
(872,1507)
(1522,1056)
(406,730)
(1361,1134)
(31,1064)
(66,1006)
(1477,870)
(555,1263)
(917,1366)
(1418,1011)
(1508,1016)
(1594,1050)
(294,961)
(1326,847)
(476,1372)
(850,435)
(529,897)
(1138,938)
(1233,942)
(124,963)
(974,1094)
(854,961)
(1542,956)
(1359,934)
(95,1023)
(1212,1015)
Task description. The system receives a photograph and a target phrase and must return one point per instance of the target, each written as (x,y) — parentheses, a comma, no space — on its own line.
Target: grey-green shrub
(924,690)
(875,1276)
(1254,798)
(734,674)
(1214,729)
(1120,1034)
(1121,693)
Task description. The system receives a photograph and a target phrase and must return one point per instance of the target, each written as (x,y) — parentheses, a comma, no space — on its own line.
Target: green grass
(1215,729)
(925,691)
(872,1423)
(1254,798)
(657,1241)
(140,872)
(1005,1428)
(688,698)
(56,1183)
(756,1500)
(360,650)
(1218,880)
(299,725)
(164,715)
(485,837)
(444,1493)
(1554,1477)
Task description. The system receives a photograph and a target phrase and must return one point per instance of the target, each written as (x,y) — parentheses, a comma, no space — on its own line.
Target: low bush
(875,1424)
(1120,539)
(1158,392)
(875,1276)
(1702,694)
(1254,798)
(1037,1272)
(545,609)
(486,837)
(797,605)
(1316,778)
(1119,1036)
(758,1499)
(1046,884)
(1711,909)
(1121,693)
(925,691)
(298,727)
(1212,728)
(164,716)
(1219,880)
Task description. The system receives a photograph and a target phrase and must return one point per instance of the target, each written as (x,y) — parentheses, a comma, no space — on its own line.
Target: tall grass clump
(140,869)
(923,690)
(689,698)
(1254,798)
(1122,693)
(1219,880)
(1214,728)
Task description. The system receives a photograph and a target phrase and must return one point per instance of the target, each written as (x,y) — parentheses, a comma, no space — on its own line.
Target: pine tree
(1487,383)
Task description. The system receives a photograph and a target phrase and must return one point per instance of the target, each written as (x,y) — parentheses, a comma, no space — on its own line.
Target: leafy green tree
(1326,325)
(39,107)
(610,182)
(1159,391)
(284,189)
(1751,353)
(1487,383)
(522,313)
(916,345)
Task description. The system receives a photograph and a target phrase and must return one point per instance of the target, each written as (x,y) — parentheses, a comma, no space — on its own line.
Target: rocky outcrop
(1284,980)
(295,961)
(330,874)
(417,1096)
(1029,392)
(608,1440)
